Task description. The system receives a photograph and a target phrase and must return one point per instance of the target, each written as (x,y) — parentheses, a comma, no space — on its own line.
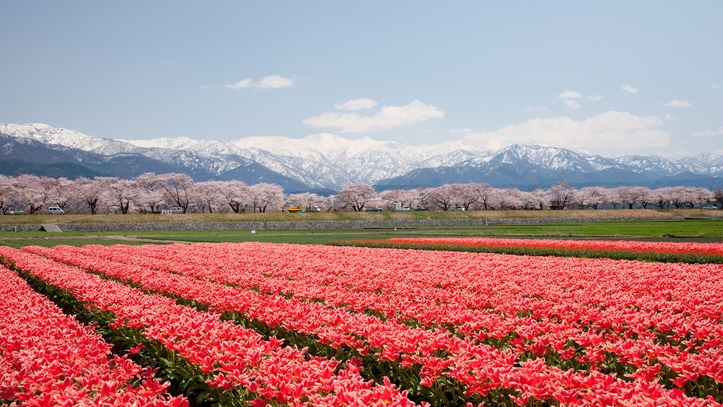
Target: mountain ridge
(327,161)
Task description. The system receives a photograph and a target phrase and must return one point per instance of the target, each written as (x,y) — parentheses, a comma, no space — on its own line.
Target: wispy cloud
(709,132)
(572,104)
(386,118)
(715,86)
(630,89)
(611,132)
(268,82)
(678,103)
(570,94)
(356,104)
(594,98)
(670,118)
(536,108)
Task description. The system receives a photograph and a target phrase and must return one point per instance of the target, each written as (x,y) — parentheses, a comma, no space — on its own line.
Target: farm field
(339,216)
(700,230)
(278,324)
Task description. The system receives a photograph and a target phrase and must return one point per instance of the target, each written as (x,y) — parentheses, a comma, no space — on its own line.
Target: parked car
(421,208)
(710,207)
(15,212)
(375,209)
(55,210)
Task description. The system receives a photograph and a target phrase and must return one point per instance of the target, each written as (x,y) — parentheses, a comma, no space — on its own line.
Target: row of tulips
(668,252)
(48,358)
(553,327)
(621,245)
(237,360)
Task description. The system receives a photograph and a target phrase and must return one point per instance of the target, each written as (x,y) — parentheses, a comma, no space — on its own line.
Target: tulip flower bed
(458,326)
(247,369)
(675,252)
(48,358)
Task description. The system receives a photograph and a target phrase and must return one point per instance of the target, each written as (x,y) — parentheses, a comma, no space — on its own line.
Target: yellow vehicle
(298,209)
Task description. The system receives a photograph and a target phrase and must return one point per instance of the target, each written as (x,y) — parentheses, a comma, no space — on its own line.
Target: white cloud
(594,98)
(630,89)
(202,87)
(572,104)
(386,118)
(274,81)
(356,104)
(678,103)
(246,83)
(268,82)
(611,132)
(709,132)
(670,118)
(536,108)
(570,94)
(715,86)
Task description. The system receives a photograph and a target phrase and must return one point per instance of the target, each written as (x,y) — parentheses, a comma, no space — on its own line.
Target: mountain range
(323,162)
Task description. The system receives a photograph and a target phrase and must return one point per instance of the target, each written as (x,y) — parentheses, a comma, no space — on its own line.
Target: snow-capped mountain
(328,161)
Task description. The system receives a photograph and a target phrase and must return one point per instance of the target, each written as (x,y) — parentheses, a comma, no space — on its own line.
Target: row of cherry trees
(151,192)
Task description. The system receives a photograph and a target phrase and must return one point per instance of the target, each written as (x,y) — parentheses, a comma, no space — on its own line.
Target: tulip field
(686,252)
(257,324)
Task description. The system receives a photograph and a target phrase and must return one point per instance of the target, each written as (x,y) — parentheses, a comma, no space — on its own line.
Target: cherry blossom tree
(509,198)
(92,191)
(718,196)
(590,197)
(33,191)
(236,195)
(409,198)
(150,192)
(441,197)
(485,195)
(307,199)
(6,193)
(63,193)
(266,196)
(354,196)
(178,189)
(561,195)
(465,195)
(123,193)
(661,197)
(208,195)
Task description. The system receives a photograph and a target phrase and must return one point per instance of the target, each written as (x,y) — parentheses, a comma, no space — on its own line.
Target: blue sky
(606,77)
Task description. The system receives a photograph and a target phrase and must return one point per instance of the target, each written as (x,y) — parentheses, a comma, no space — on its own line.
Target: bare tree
(355,196)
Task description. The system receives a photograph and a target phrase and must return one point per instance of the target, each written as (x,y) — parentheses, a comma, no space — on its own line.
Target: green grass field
(701,230)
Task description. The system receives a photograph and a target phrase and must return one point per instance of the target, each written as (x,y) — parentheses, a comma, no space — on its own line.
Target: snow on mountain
(327,161)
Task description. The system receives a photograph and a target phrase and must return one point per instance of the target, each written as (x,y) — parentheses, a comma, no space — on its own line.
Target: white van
(55,210)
